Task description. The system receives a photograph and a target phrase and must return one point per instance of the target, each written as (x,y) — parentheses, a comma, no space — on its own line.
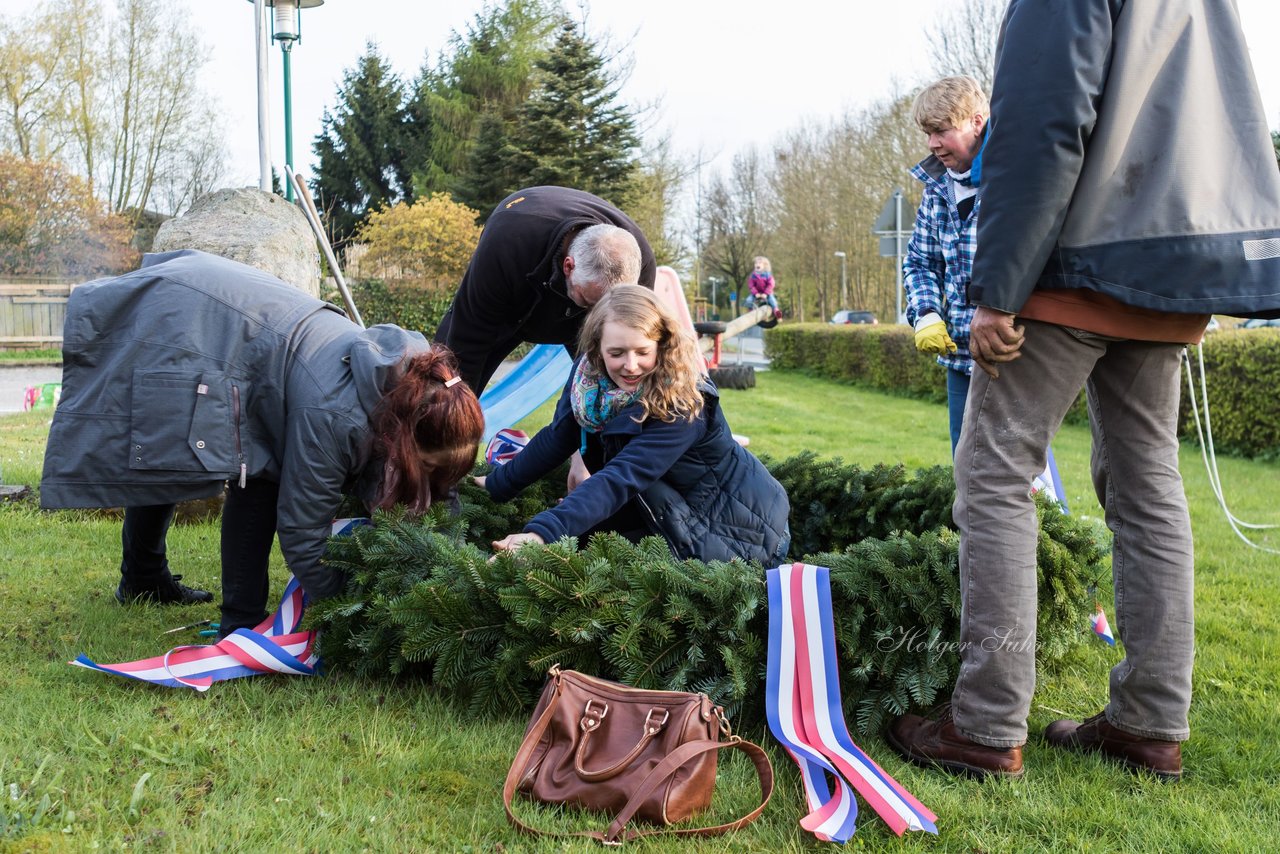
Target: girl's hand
(478,481)
(578,472)
(515,541)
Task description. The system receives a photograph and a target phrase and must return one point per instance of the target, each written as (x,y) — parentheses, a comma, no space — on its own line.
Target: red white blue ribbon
(273,646)
(1101,627)
(504,445)
(803,707)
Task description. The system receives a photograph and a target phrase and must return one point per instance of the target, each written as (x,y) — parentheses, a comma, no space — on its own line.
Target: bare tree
(115,96)
(804,182)
(195,165)
(737,220)
(31,54)
(888,144)
(662,176)
(830,182)
(85,68)
(153,61)
(963,40)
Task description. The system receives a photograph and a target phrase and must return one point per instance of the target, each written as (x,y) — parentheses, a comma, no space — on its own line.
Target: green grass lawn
(339,764)
(30,356)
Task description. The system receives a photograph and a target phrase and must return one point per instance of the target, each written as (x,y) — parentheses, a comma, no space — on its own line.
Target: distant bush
(426,244)
(406,307)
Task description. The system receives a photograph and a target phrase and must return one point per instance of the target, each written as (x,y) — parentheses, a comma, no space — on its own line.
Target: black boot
(166,590)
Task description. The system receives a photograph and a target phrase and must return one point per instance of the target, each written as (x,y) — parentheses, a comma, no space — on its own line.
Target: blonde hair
(949,103)
(764,262)
(671,391)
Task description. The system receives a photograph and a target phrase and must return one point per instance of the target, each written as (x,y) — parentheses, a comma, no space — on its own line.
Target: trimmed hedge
(882,357)
(1242,370)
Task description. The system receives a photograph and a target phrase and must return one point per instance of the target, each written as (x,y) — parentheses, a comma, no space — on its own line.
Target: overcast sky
(726,73)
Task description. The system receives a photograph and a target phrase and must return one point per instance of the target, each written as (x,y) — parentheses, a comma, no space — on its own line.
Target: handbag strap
(617,834)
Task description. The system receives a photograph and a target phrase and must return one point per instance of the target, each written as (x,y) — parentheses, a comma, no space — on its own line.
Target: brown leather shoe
(937,743)
(1097,735)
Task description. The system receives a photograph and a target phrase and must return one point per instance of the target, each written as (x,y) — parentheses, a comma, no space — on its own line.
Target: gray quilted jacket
(194,371)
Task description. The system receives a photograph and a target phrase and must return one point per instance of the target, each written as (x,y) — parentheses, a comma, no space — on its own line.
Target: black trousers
(248,529)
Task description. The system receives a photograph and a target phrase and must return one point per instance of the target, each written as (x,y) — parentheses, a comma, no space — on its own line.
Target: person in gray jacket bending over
(195,373)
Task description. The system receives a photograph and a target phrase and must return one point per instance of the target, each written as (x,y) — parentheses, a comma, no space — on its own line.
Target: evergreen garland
(484,630)
(834,505)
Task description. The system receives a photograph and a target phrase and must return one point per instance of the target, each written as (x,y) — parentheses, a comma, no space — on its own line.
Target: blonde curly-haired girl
(647,421)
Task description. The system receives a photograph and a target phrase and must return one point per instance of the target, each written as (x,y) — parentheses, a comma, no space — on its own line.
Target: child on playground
(663,460)
(760,286)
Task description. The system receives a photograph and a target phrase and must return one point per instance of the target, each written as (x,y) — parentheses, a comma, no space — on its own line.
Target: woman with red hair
(195,373)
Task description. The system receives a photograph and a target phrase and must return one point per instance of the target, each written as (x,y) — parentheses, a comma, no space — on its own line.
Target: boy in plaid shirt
(953,113)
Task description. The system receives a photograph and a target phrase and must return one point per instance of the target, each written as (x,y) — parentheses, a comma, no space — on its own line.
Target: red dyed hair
(421,413)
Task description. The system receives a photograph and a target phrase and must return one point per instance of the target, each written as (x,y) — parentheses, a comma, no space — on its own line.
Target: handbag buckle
(725,729)
(651,727)
(592,720)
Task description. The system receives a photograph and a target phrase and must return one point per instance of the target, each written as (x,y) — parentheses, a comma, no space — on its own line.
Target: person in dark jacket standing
(1130,190)
(650,428)
(196,373)
(546,255)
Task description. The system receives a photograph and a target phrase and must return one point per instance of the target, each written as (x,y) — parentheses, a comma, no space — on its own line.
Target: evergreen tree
(486,72)
(360,150)
(572,131)
(488,178)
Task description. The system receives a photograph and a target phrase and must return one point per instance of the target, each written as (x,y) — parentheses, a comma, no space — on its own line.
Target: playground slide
(536,378)
(667,287)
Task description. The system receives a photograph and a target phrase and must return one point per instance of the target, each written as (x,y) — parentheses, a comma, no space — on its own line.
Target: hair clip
(454,380)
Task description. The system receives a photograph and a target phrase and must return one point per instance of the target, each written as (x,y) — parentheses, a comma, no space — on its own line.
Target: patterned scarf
(596,399)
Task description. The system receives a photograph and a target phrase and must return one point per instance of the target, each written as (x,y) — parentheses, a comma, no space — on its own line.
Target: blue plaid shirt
(939,260)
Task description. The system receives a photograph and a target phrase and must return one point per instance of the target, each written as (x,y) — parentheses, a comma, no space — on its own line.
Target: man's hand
(577,472)
(932,337)
(478,481)
(993,339)
(515,541)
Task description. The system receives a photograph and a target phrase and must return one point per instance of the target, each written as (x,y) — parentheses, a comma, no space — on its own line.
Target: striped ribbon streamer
(831,817)
(805,713)
(273,646)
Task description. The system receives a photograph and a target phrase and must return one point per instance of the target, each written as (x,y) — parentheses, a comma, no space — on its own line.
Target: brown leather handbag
(626,752)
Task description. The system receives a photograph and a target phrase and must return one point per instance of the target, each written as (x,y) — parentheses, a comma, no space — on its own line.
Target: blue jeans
(1133,395)
(769,298)
(957,393)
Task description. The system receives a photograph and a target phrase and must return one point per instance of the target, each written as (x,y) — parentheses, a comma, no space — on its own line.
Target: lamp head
(287,25)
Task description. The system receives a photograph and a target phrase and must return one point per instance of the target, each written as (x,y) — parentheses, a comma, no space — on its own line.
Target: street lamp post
(286,31)
(844,290)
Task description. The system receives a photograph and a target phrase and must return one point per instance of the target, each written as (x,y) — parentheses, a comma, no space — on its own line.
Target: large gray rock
(252,227)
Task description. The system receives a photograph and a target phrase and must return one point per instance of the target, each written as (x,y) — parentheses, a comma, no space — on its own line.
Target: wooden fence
(32,312)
